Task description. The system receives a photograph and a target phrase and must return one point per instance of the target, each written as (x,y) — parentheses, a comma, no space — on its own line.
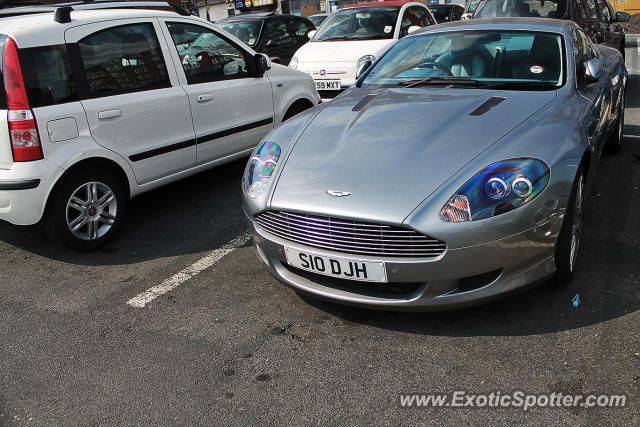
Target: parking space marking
(194,269)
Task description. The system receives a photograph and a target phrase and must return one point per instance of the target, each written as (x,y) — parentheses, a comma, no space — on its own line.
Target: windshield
(526,8)
(509,59)
(3,95)
(441,14)
(318,19)
(359,23)
(247,32)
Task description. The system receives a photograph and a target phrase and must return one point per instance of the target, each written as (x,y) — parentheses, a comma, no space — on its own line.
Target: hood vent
(488,105)
(364,101)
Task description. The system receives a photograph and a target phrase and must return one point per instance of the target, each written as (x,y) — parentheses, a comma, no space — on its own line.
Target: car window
(359,23)
(521,8)
(47,75)
(278,33)
(299,27)
(590,8)
(413,16)
(123,59)
(605,15)
(476,57)
(206,56)
(440,13)
(246,31)
(583,50)
(457,13)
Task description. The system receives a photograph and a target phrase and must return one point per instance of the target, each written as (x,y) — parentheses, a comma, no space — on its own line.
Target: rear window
(47,75)
(3,95)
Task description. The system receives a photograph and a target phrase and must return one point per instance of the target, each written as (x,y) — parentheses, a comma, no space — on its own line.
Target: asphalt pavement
(176,322)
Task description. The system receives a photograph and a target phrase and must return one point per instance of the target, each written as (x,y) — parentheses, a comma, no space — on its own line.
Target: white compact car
(99,106)
(353,38)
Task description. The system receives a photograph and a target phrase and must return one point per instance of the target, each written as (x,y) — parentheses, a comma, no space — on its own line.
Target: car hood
(393,148)
(341,51)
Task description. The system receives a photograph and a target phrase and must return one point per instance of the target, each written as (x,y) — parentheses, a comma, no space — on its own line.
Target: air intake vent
(488,105)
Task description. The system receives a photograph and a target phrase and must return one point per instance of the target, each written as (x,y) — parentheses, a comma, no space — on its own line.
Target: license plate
(342,268)
(328,84)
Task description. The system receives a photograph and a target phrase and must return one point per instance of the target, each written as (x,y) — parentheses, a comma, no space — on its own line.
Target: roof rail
(63,14)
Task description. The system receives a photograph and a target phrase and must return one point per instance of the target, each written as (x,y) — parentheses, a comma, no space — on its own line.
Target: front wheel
(85,210)
(566,255)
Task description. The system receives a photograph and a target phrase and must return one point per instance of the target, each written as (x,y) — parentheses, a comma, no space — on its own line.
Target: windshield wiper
(322,39)
(442,80)
(515,85)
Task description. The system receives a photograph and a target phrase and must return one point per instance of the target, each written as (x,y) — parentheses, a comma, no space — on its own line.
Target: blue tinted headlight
(498,188)
(260,168)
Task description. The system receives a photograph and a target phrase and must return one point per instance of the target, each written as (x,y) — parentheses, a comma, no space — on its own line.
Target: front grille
(348,236)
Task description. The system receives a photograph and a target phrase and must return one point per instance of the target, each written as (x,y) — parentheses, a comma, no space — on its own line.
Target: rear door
(134,104)
(606,33)
(232,110)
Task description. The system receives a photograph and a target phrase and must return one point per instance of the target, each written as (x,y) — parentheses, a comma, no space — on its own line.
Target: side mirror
(364,67)
(593,70)
(262,64)
(311,33)
(466,16)
(622,17)
(412,29)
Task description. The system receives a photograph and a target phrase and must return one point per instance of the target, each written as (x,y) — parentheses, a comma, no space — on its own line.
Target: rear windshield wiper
(442,80)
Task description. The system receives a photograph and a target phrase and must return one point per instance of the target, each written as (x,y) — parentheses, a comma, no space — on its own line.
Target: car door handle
(109,114)
(205,97)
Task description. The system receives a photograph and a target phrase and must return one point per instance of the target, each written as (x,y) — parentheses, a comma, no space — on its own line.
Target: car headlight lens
(293,63)
(260,168)
(365,59)
(498,188)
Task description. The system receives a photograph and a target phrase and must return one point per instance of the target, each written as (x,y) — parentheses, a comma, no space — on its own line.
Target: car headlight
(260,168)
(293,63)
(498,188)
(365,59)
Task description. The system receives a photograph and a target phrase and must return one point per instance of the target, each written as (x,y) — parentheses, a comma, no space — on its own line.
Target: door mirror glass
(622,16)
(262,63)
(364,67)
(593,70)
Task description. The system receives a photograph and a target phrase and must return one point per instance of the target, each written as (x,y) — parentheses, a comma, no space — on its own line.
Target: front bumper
(24,190)
(458,278)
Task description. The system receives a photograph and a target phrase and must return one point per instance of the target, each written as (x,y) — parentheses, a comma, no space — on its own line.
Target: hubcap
(576,225)
(91,211)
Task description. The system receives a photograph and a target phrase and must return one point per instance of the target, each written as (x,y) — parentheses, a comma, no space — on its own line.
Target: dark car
(446,12)
(596,17)
(278,36)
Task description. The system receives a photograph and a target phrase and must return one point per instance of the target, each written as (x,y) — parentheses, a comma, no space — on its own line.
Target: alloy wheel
(576,224)
(91,210)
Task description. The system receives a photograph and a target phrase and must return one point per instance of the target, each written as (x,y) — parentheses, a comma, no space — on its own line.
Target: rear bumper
(24,190)
(458,278)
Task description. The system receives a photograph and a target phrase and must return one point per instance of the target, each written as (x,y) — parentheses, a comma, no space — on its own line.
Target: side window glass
(410,19)
(47,75)
(205,56)
(605,16)
(299,28)
(590,7)
(123,59)
(579,10)
(278,33)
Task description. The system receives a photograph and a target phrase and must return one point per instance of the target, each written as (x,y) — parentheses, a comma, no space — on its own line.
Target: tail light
(23,130)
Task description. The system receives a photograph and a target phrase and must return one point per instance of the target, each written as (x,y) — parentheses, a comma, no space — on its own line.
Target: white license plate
(342,268)
(328,84)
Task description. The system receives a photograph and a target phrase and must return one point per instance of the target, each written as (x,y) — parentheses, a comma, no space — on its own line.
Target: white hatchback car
(99,106)
(354,37)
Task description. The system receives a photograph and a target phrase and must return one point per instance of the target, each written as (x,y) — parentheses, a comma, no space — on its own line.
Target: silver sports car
(454,172)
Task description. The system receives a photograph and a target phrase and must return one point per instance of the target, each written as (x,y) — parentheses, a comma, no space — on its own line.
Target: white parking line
(194,269)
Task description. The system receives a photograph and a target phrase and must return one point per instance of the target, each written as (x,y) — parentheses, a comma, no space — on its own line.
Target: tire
(93,202)
(566,253)
(614,144)
(294,110)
